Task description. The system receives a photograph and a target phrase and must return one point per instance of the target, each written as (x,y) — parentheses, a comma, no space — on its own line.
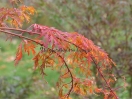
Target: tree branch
(59,55)
(18,35)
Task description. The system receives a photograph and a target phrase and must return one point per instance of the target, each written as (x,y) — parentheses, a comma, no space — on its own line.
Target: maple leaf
(16,16)
(51,36)
(18,54)
(60,93)
(98,90)
(28,46)
(36,60)
(66,75)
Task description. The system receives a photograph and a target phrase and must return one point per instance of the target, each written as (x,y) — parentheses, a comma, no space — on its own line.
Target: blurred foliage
(106,22)
(16,88)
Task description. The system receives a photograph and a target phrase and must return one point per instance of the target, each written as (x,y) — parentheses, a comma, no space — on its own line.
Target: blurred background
(108,23)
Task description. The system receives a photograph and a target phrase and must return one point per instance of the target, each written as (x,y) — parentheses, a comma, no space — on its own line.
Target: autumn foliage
(70,53)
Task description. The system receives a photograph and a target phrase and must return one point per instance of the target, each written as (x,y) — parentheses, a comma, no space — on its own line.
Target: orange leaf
(18,54)
(98,90)
(29,47)
(106,96)
(66,75)
(90,90)
(60,92)
(36,60)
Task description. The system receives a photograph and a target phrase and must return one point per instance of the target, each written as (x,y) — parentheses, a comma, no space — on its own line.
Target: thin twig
(18,35)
